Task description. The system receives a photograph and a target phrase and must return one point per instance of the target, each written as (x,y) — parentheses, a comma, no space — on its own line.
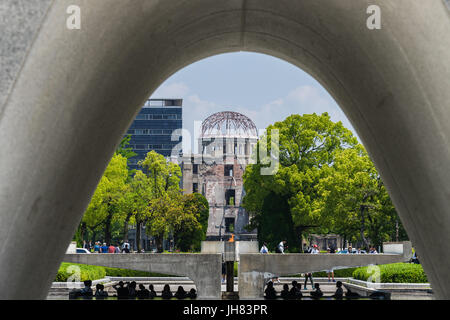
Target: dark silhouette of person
(379,295)
(181,293)
(192,294)
(166,293)
(285,292)
(270,292)
(298,292)
(100,292)
(351,295)
(317,293)
(122,291)
(132,293)
(143,293)
(339,294)
(85,293)
(294,293)
(152,292)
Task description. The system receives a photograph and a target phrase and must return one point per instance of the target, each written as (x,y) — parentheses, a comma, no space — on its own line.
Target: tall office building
(155,128)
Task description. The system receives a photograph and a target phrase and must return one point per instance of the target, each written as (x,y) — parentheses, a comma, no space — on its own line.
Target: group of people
(281,247)
(313,250)
(128,291)
(98,247)
(295,291)
(87,292)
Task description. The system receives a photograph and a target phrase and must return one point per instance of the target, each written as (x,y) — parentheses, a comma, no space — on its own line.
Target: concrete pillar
(256,269)
(203,269)
(75,92)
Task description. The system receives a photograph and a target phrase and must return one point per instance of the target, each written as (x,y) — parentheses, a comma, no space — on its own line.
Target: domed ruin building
(226,144)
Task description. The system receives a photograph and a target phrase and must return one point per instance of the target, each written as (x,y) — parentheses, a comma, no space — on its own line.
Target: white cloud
(302,100)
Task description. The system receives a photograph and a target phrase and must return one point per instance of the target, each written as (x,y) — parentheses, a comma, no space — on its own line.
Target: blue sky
(264,88)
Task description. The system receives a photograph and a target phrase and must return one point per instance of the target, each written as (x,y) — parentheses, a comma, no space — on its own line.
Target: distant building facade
(226,144)
(157,127)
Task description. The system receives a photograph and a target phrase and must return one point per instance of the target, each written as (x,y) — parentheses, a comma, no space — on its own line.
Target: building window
(195,187)
(195,169)
(228,170)
(229,224)
(230,196)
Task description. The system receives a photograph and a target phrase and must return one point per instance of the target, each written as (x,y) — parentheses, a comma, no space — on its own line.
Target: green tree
(124,150)
(306,144)
(191,229)
(103,209)
(355,200)
(161,197)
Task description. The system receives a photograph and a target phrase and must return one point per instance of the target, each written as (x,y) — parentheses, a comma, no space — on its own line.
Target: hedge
(393,273)
(116,272)
(338,273)
(89,272)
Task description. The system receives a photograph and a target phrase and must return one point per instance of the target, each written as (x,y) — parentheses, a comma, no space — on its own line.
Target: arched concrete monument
(67,96)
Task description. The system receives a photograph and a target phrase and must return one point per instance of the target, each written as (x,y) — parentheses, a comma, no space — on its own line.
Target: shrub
(393,273)
(87,272)
(338,273)
(116,272)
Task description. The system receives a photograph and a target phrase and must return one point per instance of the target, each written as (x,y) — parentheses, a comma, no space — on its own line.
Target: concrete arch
(70,94)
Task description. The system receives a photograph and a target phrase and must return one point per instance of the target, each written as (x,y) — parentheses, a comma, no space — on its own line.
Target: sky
(264,88)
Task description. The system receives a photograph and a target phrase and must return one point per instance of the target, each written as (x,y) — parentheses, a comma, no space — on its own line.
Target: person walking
(224,269)
(126,247)
(97,247)
(264,248)
(111,249)
(314,250)
(331,271)
(280,247)
(104,248)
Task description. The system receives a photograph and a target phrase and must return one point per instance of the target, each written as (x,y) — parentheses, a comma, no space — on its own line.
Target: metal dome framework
(228,123)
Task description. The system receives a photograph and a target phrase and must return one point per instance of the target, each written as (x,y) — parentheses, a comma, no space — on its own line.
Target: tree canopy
(325,183)
(150,197)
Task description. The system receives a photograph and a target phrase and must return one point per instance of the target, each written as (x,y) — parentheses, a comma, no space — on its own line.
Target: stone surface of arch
(67,96)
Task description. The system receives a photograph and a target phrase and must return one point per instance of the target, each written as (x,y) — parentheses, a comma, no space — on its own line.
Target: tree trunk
(108,229)
(362,228)
(159,243)
(396,229)
(125,227)
(83,231)
(138,235)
